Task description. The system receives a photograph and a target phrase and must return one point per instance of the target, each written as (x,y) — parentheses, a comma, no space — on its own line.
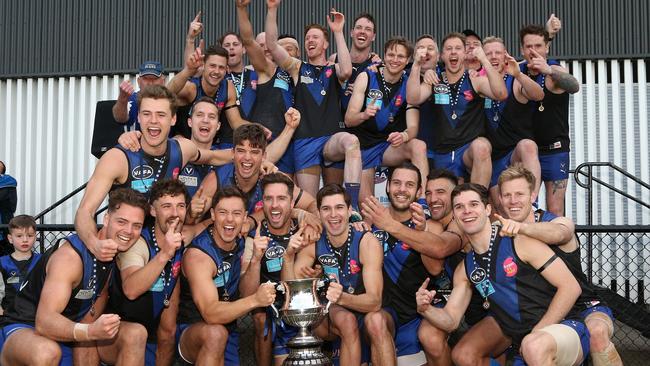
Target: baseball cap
(151,68)
(469,32)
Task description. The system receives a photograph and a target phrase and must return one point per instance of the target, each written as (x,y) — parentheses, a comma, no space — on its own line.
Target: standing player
(63,298)
(125,109)
(459,109)
(379,117)
(529,292)
(510,122)
(353,261)
(275,242)
(551,118)
(210,301)
(516,185)
(318,97)
(427,43)
(244,79)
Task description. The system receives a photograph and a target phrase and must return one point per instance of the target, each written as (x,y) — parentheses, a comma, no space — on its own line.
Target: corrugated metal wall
(46,128)
(77,37)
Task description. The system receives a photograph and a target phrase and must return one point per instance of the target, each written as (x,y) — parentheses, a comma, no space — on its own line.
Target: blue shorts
(554,166)
(150,354)
(281,336)
(286,164)
(308,152)
(66,351)
(452,161)
(232,346)
(499,165)
(406,335)
(597,309)
(373,156)
(578,327)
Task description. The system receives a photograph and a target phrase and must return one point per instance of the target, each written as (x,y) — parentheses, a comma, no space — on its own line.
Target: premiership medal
(350,289)
(454,116)
(541,107)
(323,92)
(495,118)
(486,304)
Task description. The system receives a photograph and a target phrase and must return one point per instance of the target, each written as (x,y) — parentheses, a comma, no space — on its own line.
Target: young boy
(16,266)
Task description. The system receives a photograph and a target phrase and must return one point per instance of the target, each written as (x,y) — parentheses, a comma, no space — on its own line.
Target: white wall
(46,129)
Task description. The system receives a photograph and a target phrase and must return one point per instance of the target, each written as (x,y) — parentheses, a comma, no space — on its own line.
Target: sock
(353,191)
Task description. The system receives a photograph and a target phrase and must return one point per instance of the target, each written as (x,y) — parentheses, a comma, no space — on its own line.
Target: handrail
(56,204)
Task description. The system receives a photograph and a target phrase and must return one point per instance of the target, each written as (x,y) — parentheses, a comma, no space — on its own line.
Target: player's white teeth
(123,238)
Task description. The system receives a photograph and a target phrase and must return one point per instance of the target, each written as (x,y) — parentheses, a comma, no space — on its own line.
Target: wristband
(80,332)
(405,135)
(198,157)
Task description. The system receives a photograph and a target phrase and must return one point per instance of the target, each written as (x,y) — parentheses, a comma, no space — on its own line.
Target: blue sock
(353,191)
(494,362)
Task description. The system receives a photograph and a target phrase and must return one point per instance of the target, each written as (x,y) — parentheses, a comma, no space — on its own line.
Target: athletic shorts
(308,152)
(66,351)
(567,341)
(554,166)
(452,161)
(499,165)
(232,346)
(406,335)
(597,308)
(286,164)
(150,354)
(373,156)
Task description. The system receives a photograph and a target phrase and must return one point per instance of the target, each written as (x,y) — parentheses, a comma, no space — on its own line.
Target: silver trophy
(302,308)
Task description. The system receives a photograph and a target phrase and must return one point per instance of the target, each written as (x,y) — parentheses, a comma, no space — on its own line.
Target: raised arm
(121,106)
(179,84)
(561,79)
(280,55)
(195,28)
(253,50)
(344,66)
(250,280)
(416,91)
(524,87)
(276,149)
(559,231)
(493,86)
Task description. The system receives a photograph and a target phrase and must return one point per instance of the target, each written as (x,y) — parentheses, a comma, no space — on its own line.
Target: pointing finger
(197,18)
(258,230)
(425,284)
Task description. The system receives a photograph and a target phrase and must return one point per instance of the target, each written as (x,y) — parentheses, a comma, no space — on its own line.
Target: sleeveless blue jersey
(346,267)
(13,274)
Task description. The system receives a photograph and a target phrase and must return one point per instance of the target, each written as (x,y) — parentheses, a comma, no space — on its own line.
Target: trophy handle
(281,287)
(327,307)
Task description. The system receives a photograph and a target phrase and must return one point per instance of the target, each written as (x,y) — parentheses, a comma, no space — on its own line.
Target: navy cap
(469,32)
(151,68)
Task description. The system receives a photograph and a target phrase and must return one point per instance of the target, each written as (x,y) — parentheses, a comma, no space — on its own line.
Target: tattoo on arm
(559,185)
(565,81)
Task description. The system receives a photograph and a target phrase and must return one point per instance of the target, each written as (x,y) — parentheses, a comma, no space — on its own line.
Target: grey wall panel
(77,37)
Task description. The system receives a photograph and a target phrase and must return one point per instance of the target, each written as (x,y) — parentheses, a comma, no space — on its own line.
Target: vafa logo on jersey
(328,260)
(142,172)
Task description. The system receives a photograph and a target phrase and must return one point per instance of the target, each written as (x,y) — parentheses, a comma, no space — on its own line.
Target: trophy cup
(302,308)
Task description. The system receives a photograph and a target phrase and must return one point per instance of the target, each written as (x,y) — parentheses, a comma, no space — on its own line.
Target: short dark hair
(203,99)
(443,173)
(229,33)
(215,50)
(251,132)
(408,166)
(429,36)
(280,178)
(326,33)
(535,29)
(332,189)
(22,222)
(227,192)
(168,187)
(474,187)
(158,92)
(3,167)
(453,35)
(127,196)
(399,41)
(368,16)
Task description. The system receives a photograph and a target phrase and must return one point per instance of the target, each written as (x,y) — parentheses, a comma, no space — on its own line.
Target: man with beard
(158,157)
(274,87)
(270,251)
(352,260)
(551,118)
(144,287)
(320,136)
(379,117)
(411,254)
(528,291)
(517,194)
(210,302)
(510,123)
(459,109)
(63,298)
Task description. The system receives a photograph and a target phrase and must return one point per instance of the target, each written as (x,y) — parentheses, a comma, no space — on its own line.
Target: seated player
(15,267)
(529,292)
(352,260)
(63,298)
(210,301)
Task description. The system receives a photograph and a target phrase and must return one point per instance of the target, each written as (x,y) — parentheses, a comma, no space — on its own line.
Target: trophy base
(305,350)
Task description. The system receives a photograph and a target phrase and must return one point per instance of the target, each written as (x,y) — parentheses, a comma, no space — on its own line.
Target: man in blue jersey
(125,109)
(158,157)
(63,298)
(529,292)
(320,137)
(516,185)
